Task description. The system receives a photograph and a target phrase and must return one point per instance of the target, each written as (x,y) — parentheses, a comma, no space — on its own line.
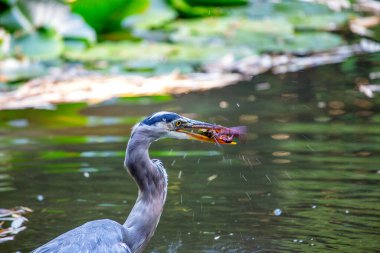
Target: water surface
(305,180)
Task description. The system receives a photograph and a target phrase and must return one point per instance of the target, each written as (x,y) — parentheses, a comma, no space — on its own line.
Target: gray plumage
(100,236)
(150,176)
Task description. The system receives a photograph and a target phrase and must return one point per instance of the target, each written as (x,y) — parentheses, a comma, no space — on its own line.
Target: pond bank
(78,85)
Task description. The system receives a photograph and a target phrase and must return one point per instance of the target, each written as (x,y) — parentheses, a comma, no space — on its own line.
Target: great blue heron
(151,178)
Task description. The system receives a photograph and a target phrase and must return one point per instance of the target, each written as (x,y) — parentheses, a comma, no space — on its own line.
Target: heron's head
(171,125)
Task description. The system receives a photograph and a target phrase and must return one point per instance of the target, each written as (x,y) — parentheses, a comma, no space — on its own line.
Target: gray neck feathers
(151,180)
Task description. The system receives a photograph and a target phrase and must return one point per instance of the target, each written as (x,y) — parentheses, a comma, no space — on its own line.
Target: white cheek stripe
(177,135)
(158,114)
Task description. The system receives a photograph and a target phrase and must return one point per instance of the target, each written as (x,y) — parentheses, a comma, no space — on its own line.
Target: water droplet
(363,153)
(281,153)
(289,95)
(223,104)
(336,104)
(251,98)
(19,123)
(213,177)
(249,118)
(281,161)
(21,141)
(277,212)
(336,112)
(280,136)
(322,119)
(262,86)
(321,104)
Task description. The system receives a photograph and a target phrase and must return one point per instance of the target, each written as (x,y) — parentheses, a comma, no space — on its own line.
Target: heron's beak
(206,132)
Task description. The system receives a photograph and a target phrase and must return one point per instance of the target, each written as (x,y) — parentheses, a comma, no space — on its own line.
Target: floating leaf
(300,43)
(186,10)
(13,20)
(152,52)
(227,26)
(12,70)
(331,21)
(35,14)
(41,45)
(157,14)
(106,16)
(288,8)
(273,35)
(217,2)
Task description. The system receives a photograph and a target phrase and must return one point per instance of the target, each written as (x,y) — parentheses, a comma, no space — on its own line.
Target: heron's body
(101,236)
(150,176)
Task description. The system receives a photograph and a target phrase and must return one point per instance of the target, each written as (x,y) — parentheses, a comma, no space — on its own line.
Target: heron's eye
(178,123)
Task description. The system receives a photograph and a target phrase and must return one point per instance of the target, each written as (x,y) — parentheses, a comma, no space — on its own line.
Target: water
(305,180)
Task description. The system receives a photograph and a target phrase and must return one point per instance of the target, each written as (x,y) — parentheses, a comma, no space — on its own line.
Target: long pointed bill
(206,132)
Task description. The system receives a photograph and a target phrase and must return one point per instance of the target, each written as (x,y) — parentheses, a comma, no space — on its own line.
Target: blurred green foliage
(157,35)
(106,16)
(38,28)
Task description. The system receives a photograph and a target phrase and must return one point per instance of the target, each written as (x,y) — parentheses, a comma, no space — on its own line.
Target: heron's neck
(152,183)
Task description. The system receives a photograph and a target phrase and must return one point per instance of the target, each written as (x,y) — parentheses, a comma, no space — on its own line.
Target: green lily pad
(9,21)
(265,35)
(106,16)
(186,10)
(181,67)
(39,45)
(30,15)
(227,26)
(217,2)
(156,15)
(156,52)
(14,70)
(331,21)
(290,8)
(300,43)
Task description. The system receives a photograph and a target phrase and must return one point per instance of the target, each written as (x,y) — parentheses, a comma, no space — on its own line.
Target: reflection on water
(305,180)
